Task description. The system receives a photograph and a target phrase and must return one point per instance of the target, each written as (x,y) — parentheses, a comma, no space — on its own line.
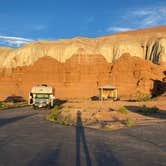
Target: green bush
(1,104)
(4,105)
(129,122)
(123,110)
(20,104)
(148,110)
(53,115)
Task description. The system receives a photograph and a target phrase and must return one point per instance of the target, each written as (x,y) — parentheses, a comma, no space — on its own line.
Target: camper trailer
(41,96)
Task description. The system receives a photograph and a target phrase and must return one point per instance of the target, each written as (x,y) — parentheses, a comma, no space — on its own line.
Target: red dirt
(105,114)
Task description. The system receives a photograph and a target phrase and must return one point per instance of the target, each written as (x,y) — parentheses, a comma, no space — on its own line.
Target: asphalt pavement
(26,138)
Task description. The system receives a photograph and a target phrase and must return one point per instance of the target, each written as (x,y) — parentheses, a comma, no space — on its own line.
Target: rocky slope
(77,67)
(81,76)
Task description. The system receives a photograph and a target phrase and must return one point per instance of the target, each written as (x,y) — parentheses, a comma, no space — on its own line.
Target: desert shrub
(20,104)
(57,107)
(53,115)
(4,105)
(108,128)
(56,116)
(102,124)
(123,110)
(1,104)
(143,97)
(129,122)
(148,110)
(67,120)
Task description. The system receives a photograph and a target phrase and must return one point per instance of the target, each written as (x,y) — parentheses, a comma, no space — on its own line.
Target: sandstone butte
(133,61)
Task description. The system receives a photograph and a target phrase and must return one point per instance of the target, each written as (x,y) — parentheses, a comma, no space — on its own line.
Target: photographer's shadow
(80,138)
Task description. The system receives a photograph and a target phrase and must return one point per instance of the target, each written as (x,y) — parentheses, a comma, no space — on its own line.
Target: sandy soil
(105,115)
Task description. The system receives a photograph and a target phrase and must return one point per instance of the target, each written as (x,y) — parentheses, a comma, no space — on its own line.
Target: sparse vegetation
(20,104)
(53,115)
(102,124)
(101,116)
(123,110)
(108,128)
(129,122)
(143,97)
(67,120)
(4,105)
(148,110)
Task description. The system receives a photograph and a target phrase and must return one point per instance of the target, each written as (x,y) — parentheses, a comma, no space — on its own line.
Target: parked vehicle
(41,96)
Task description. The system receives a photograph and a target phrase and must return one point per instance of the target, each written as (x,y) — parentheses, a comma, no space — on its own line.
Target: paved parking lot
(27,139)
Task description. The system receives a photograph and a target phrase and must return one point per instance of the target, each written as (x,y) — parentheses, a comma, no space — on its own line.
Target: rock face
(81,76)
(78,66)
(148,44)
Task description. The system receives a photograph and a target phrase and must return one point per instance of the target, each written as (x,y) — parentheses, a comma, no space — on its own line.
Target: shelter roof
(108,87)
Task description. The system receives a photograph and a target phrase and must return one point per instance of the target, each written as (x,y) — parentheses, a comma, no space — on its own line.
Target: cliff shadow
(159,87)
(80,138)
(59,102)
(164,79)
(94,98)
(148,111)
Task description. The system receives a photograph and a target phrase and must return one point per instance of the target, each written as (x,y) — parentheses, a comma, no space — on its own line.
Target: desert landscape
(83,83)
(134,62)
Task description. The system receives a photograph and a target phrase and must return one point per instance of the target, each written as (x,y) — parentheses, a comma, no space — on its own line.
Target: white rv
(41,96)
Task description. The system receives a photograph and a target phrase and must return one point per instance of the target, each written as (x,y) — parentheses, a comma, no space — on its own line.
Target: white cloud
(118,29)
(12,41)
(140,18)
(162,10)
(148,17)
(142,12)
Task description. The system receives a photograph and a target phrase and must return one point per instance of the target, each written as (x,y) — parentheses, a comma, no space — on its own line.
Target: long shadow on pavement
(104,156)
(80,136)
(46,158)
(13,119)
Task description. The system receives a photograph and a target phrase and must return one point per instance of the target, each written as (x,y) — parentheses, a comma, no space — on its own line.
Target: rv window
(42,96)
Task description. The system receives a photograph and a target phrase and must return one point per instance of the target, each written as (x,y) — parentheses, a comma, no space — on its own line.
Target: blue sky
(23,21)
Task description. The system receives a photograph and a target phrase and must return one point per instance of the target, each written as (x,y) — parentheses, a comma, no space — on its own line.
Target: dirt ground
(105,114)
